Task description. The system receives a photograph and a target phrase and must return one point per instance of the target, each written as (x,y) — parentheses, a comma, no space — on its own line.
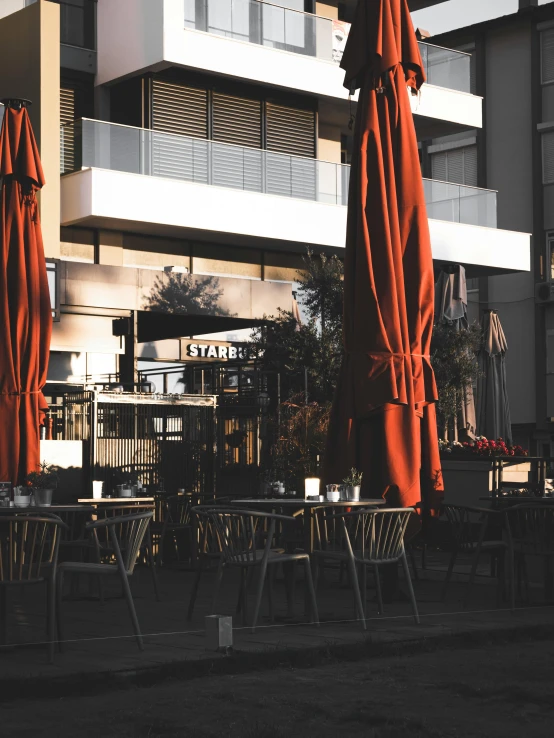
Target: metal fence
(150,438)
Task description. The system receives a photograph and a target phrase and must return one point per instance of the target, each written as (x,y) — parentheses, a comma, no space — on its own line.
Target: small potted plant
(352,483)
(41,484)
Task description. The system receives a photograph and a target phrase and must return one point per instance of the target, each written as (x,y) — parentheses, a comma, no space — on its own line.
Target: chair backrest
(532,528)
(109,512)
(376,535)
(240,534)
(177,510)
(75,522)
(126,534)
(28,546)
(466,524)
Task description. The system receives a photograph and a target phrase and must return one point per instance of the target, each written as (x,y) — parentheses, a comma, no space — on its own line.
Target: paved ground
(100,637)
(477,691)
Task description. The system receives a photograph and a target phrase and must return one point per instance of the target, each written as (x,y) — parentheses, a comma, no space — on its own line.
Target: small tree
(180,294)
(454,361)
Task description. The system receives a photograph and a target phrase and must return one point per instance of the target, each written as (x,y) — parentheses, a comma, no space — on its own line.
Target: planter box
(466,481)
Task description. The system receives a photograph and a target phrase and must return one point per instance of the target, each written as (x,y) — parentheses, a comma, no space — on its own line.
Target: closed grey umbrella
(451,308)
(493,408)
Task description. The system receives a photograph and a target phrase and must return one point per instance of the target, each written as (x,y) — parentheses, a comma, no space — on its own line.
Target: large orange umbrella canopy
(383,418)
(25,312)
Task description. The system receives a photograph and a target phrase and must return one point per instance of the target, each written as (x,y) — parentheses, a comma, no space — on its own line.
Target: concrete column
(30,64)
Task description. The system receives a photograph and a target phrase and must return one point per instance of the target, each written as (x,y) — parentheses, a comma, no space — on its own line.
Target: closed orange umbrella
(383,418)
(25,311)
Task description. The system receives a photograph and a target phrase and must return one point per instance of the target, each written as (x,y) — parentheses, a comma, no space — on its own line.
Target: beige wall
(327,10)
(30,68)
(328,143)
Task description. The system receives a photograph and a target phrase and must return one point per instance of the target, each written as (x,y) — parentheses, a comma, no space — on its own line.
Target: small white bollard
(219,632)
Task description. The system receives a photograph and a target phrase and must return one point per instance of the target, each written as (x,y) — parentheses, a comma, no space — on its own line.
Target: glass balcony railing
(92,143)
(460,203)
(446,67)
(262,23)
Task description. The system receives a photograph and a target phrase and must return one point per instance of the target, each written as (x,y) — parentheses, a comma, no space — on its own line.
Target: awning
(153,326)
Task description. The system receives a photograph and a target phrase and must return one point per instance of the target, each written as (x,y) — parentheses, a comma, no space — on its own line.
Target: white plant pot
(21,500)
(333,496)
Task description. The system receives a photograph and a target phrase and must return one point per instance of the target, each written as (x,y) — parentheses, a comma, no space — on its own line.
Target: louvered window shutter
(438,166)
(547,55)
(548,157)
(237,158)
(179,109)
(183,112)
(470,166)
(290,130)
(67,130)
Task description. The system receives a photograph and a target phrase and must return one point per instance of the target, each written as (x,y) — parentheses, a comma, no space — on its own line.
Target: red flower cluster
(484,447)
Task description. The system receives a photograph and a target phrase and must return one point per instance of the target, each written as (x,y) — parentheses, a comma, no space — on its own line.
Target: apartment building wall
(509,169)
(30,64)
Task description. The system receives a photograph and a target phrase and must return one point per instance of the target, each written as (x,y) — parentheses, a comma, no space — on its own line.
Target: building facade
(195,149)
(513,70)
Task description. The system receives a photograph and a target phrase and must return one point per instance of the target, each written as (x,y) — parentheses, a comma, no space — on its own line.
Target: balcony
(150,181)
(269,45)
(100,145)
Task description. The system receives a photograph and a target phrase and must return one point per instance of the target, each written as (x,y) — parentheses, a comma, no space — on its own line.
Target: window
(550,254)
(548,157)
(53,274)
(547,56)
(457,165)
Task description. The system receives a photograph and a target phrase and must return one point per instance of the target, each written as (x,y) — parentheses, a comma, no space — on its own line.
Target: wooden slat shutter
(179,109)
(548,157)
(290,130)
(547,55)
(456,165)
(183,112)
(471,176)
(67,131)
(237,120)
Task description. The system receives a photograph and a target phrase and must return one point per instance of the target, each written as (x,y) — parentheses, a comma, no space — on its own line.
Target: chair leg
(152,565)
(473,573)
(3,615)
(410,587)
(356,588)
(159,555)
(413,562)
(311,591)
(270,581)
(259,592)
(378,588)
(288,570)
(51,619)
(59,619)
(448,577)
(364,588)
(194,591)
(218,579)
(132,611)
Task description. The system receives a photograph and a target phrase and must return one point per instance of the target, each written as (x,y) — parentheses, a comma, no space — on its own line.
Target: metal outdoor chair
(471,534)
(245,539)
(102,537)
(362,539)
(126,534)
(530,529)
(176,526)
(28,555)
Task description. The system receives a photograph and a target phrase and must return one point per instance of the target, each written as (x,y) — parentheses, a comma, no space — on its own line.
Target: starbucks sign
(210,351)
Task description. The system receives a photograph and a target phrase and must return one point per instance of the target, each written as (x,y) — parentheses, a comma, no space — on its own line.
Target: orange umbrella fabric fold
(25,311)
(383,418)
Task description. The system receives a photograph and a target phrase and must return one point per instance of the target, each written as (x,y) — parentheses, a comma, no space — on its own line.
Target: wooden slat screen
(290,130)
(179,109)
(67,131)
(237,120)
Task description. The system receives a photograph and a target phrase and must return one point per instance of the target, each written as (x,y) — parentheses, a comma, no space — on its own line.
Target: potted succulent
(41,484)
(352,483)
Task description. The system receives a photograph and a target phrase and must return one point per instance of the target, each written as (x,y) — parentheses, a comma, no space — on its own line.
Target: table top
(114,500)
(44,509)
(301,502)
